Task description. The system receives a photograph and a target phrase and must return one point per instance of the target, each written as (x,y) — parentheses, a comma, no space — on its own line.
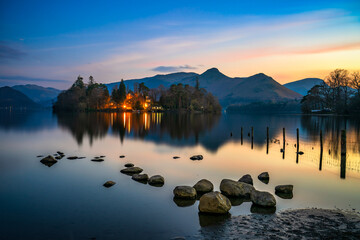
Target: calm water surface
(68,201)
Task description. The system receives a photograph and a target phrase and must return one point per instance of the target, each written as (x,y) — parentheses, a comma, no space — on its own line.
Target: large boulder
(197,157)
(264,199)
(185,192)
(131,170)
(288,189)
(246,179)
(156,180)
(48,161)
(140,177)
(232,188)
(203,186)
(214,202)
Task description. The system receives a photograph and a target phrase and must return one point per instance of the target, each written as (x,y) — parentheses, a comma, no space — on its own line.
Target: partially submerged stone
(109,184)
(176,157)
(284,189)
(140,177)
(184,202)
(246,179)
(214,202)
(203,186)
(185,192)
(156,180)
(97,160)
(72,157)
(197,157)
(129,165)
(264,199)
(102,156)
(121,156)
(262,210)
(233,188)
(48,161)
(264,177)
(131,170)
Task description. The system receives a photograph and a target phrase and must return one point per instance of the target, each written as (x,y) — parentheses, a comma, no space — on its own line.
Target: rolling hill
(256,88)
(304,85)
(10,97)
(38,94)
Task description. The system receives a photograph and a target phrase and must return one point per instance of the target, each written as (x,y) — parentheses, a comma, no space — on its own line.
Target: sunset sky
(50,43)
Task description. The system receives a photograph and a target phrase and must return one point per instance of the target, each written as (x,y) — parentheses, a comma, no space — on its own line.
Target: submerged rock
(129,165)
(109,184)
(264,199)
(197,157)
(39,156)
(48,161)
(72,157)
(284,189)
(140,177)
(232,188)
(246,179)
(121,156)
(81,157)
(156,180)
(262,210)
(131,170)
(176,157)
(184,202)
(206,219)
(60,153)
(97,160)
(214,202)
(203,186)
(102,156)
(185,192)
(284,195)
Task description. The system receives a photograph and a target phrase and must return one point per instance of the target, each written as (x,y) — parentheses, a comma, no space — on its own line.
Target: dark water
(68,201)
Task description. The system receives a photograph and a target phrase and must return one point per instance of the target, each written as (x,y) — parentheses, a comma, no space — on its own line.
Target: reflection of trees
(95,125)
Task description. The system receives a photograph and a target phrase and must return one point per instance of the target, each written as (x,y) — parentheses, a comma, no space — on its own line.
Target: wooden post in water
(267,140)
(343,154)
(241,135)
(252,137)
(297,145)
(321,151)
(283,143)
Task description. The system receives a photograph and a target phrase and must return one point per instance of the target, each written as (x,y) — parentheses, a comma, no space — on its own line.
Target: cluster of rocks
(135,173)
(221,202)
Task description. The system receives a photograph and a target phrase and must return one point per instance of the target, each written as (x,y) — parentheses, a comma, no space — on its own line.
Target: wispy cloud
(173,68)
(10,53)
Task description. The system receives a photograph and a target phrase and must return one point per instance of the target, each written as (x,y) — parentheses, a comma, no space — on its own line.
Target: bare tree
(355,81)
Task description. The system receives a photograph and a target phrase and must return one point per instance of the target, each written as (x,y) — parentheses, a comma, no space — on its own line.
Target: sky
(50,43)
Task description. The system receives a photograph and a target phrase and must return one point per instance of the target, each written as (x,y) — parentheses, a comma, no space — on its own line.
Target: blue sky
(51,42)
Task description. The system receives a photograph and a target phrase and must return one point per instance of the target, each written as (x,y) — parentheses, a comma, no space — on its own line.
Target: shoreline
(309,223)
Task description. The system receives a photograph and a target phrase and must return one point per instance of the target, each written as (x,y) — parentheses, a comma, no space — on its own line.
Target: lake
(68,200)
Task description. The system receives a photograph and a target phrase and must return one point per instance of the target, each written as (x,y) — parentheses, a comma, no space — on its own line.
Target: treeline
(95,96)
(81,96)
(339,93)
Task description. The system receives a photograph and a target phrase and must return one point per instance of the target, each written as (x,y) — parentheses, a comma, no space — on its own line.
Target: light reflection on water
(67,200)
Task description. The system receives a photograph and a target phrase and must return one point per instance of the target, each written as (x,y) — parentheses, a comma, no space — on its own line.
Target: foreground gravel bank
(290,224)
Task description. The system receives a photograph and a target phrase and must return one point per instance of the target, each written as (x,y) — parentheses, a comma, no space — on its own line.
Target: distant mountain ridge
(304,85)
(256,88)
(11,98)
(42,95)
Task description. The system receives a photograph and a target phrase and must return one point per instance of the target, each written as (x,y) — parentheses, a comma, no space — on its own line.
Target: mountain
(256,88)
(38,94)
(10,97)
(304,85)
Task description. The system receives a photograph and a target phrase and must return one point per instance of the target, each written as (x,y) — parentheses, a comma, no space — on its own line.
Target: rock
(97,160)
(156,180)
(246,179)
(48,161)
(236,201)
(176,157)
(203,186)
(282,150)
(264,199)
(39,156)
(81,157)
(284,195)
(300,152)
(185,192)
(235,189)
(262,210)
(206,219)
(58,157)
(284,189)
(197,157)
(184,202)
(129,165)
(214,202)
(131,170)
(102,156)
(121,156)
(264,177)
(60,153)
(109,184)
(140,177)
(72,157)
